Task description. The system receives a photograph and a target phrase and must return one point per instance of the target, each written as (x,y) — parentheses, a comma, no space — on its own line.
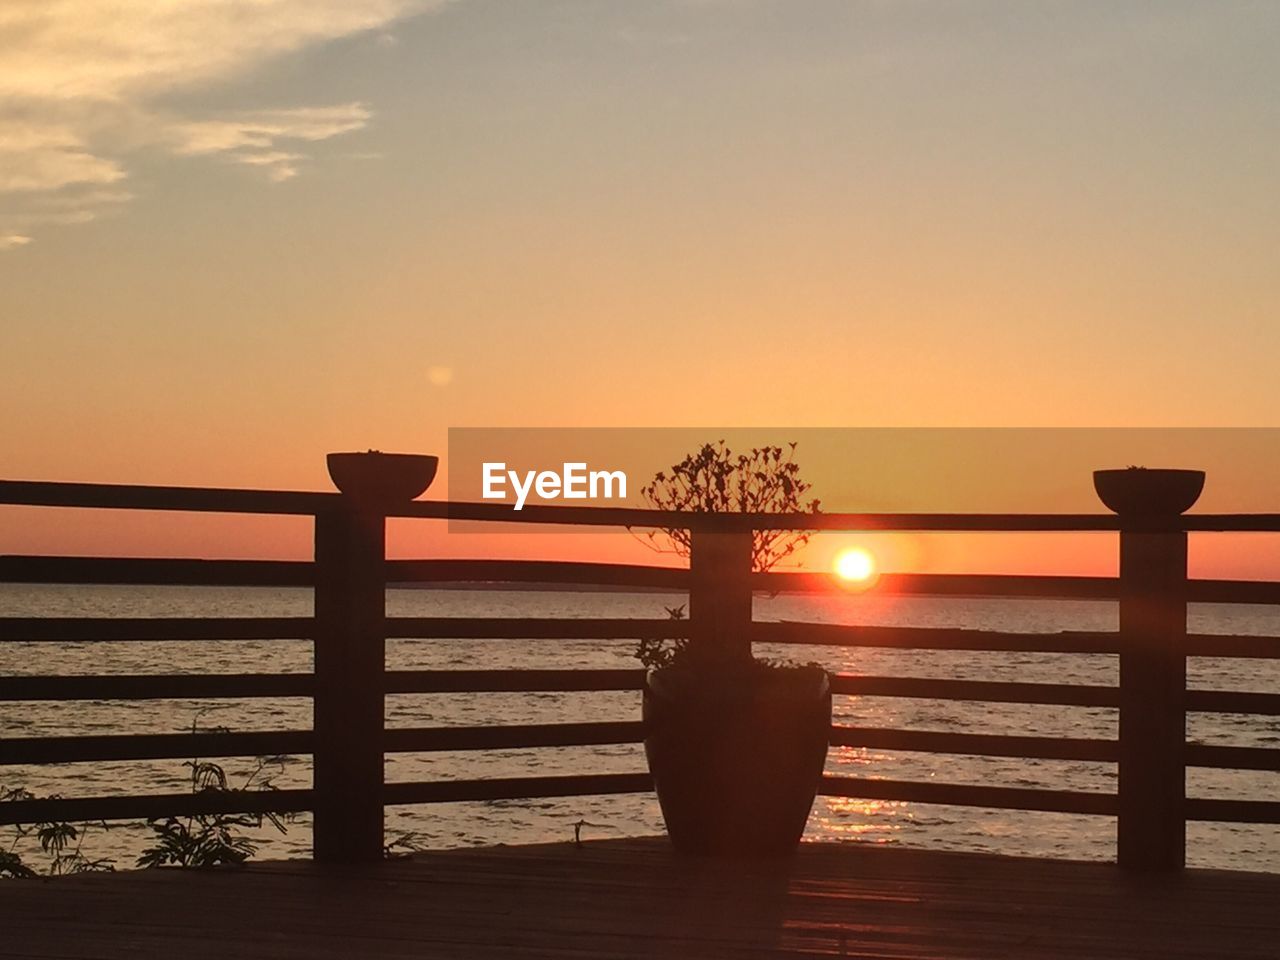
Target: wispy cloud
(70,204)
(82,86)
(278,164)
(37,158)
(255,138)
(261,130)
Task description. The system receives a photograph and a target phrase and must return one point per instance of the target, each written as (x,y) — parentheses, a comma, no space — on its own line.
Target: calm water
(523,821)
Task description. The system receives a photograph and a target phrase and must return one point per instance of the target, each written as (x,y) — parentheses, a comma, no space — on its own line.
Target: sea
(1222,845)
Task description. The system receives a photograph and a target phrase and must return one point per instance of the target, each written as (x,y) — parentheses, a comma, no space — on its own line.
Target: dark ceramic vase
(737,761)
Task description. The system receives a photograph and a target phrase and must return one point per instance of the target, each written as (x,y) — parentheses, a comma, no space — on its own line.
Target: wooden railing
(349,739)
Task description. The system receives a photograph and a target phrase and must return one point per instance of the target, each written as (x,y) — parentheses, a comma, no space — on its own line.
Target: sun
(855,564)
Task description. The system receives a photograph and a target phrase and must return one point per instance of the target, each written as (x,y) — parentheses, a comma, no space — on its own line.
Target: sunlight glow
(855,564)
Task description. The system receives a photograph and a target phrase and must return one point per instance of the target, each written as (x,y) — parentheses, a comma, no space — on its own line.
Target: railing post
(1151,832)
(720,594)
(350,644)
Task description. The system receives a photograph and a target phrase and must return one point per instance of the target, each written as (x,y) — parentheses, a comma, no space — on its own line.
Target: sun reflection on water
(853,818)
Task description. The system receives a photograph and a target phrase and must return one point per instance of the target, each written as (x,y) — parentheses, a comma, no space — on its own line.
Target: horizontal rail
(1012,585)
(24,750)
(511,681)
(943,638)
(123,496)
(1233,811)
(1232,758)
(728,522)
(1232,645)
(690,520)
(183,686)
(921,584)
(286,502)
(173,686)
(161,746)
(978,745)
(90,629)
(154,805)
(35,750)
(148,571)
(1233,591)
(522,628)
(537,571)
(425,739)
(77,629)
(225,500)
(946,585)
(1232,522)
(518,788)
(1224,701)
(515,788)
(984,691)
(931,638)
(961,795)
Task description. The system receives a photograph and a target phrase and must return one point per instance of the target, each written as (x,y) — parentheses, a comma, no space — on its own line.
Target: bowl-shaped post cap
(382,478)
(1139,492)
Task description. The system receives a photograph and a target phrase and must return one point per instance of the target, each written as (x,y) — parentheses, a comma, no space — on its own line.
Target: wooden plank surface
(624,899)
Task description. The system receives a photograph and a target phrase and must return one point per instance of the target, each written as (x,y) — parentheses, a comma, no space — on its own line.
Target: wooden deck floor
(633,898)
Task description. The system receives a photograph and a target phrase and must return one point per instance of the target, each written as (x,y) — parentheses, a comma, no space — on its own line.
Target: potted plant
(736,745)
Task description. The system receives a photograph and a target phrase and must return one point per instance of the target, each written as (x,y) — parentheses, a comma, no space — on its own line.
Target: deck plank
(625,899)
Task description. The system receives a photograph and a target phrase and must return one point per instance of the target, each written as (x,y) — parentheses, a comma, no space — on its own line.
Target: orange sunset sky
(235,236)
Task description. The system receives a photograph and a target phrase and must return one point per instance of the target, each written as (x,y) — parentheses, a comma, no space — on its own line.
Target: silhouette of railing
(349,628)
